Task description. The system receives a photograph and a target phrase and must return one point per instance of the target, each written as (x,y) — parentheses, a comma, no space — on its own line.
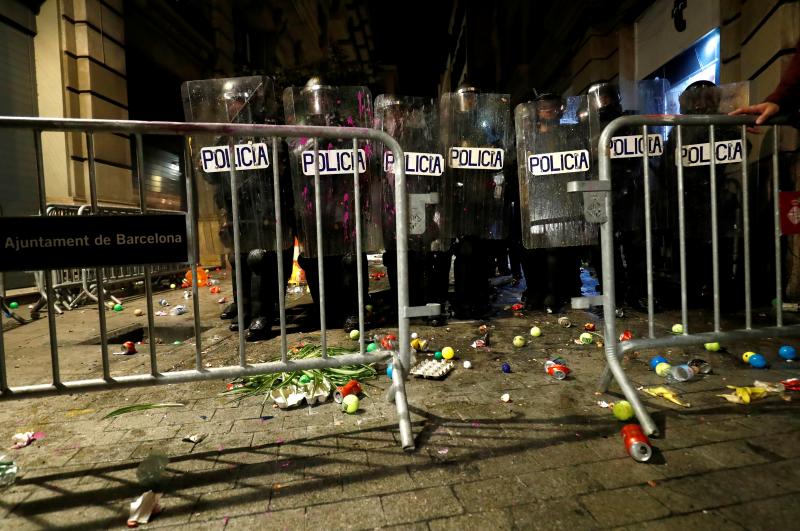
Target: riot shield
(323,105)
(414,123)
(552,150)
(695,157)
(476,135)
(246,100)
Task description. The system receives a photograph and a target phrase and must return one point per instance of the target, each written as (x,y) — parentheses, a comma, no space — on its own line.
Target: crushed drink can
(557,368)
(350,388)
(636,443)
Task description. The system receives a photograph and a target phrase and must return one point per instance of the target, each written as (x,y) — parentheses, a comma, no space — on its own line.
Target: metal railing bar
(682,234)
(320,258)
(192,375)
(748,304)
(148,282)
(648,233)
(49,294)
(101,302)
(194,240)
(712,169)
(359,260)
(276,190)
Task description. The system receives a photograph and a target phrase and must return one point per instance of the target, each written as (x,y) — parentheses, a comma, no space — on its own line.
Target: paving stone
(423,504)
(623,506)
(227,503)
(552,483)
(767,514)
(305,493)
(361,513)
(700,521)
(624,472)
(495,519)
(557,514)
(288,519)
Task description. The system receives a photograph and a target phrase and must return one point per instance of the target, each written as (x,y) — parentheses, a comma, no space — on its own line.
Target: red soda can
(636,443)
(389,342)
(557,368)
(129,347)
(350,388)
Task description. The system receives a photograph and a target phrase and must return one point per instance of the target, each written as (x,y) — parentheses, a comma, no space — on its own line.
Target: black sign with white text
(34,243)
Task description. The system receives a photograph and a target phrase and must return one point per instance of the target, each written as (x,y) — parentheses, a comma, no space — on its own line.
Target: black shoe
(259,330)
(230,312)
(234,326)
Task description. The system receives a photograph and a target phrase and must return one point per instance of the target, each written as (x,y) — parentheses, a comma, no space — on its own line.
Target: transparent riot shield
(414,123)
(552,150)
(247,100)
(323,105)
(695,158)
(476,134)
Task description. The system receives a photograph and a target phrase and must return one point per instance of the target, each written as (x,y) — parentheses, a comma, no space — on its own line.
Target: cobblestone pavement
(551,458)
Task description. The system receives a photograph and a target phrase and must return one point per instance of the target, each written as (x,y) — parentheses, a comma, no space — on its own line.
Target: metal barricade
(598,192)
(136,129)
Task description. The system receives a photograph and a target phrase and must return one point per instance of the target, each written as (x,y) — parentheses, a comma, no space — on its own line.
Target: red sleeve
(787,94)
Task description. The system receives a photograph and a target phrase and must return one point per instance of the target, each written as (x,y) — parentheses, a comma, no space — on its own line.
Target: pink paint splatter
(302,141)
(476,424)
(350,121)
(368,150)
(279,441)
(330,145)
(286,464)
(361,105)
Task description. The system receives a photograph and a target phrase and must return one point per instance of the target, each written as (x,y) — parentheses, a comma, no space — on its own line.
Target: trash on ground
(222,300)
(677,328)
(663,369)
(350,404)
(787,352)
(536,331)
(792,384)
(744,395)
(623,410)
(163,302)
(699,366)
(557,368)
(565,322)
(505,397)
(680,373)
(128,348)
(506,368)
(757,361)
(286,388)
(467,364)
(519,341)
(604,404)
(432,369)
(655,361)
(712,347)
(21,440)
(145,507)
(666,394)
(194,438)
(589,327)
(161,313)
(350,388)
(8,470)
(138,312)
(478,343)
(637,445)
(448,353)
(141,407)
(150,471)
(180,309)
(626,335)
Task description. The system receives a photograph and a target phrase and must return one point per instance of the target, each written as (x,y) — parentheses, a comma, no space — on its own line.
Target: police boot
(258,260)
(247,297)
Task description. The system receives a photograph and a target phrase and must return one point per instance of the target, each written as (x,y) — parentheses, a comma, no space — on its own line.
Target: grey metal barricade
(400,358)
(599,192)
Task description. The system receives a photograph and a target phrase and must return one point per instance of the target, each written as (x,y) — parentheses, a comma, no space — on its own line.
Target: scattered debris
(180,309)
(536,331)
(505,397)
(467,364)
(145,507)
(604,404)
(195,438)
(626,335)
(443,451)
(667,394)
(506,368)
(589,327)
(138,312)
(744,395)
(21,440)
(432,369)
(565,322)
(350,388)
(637,445)
(350,404)
(141,407)
(8,471)
(557,368)
(787,352)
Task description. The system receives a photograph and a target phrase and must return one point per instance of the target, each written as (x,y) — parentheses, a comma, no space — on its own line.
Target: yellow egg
(746,356)
(662,369)
(448,353)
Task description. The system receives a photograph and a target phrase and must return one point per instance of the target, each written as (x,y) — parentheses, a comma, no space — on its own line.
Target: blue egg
(506,368)
(758,361)
(655,361)
(389,370)
(787,352)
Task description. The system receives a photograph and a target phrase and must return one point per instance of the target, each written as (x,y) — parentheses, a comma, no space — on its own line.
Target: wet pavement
(549,458)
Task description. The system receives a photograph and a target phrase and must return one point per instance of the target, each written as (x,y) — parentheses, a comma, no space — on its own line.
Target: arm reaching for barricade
(785,99)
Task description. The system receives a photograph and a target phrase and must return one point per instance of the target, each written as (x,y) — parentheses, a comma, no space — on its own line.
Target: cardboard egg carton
(432,368)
